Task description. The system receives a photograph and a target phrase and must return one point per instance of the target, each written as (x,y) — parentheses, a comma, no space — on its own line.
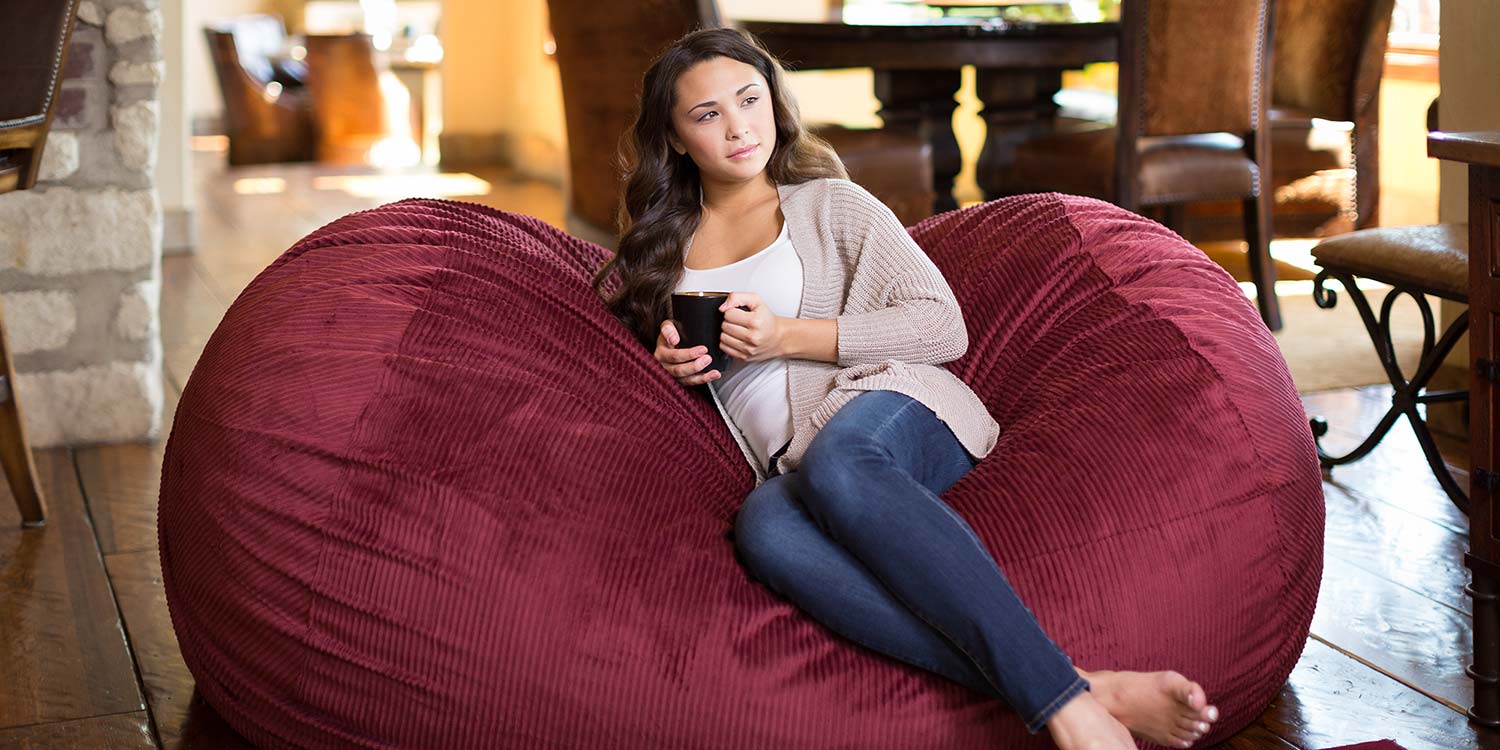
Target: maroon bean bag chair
(423,491)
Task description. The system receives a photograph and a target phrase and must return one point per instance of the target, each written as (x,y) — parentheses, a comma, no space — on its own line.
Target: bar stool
(1419,262)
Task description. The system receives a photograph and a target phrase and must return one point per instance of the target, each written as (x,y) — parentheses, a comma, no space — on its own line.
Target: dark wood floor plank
(120,484)
(1395,472)
(1397,545)
(190,311)
(62,648)
(183,720)
(1332,700)
(217,236)
(1416,641)
(127,731)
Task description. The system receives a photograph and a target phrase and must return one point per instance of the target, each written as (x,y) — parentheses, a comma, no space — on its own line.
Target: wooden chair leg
(15,451)
(1257,213)
(31,169)
(1174,216)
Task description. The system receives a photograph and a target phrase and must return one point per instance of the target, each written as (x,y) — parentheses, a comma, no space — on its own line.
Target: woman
(836,331)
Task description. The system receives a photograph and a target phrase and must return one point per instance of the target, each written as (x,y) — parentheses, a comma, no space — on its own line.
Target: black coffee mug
(699,322)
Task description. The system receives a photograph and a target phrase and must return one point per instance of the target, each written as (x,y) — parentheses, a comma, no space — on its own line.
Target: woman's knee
(835,469)
(764,523)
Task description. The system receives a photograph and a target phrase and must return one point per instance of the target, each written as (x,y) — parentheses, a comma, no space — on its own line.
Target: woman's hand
(683,364)
(752,334)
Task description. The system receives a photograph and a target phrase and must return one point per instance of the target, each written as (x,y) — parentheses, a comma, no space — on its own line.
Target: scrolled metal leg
(1457,494)
(1408,394)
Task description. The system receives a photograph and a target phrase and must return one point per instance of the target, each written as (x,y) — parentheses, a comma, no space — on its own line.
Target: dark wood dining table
(1019,58)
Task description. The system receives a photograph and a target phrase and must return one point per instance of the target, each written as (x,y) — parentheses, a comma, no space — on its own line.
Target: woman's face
(722,108)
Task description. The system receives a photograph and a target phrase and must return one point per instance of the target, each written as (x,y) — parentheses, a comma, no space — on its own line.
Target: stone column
(80,260)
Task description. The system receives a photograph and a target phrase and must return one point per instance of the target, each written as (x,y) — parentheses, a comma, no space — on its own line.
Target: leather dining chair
(603,51)
(32,56)
(1191,125)
(1327,63)
(1328,59)
(349,109)
(266,110)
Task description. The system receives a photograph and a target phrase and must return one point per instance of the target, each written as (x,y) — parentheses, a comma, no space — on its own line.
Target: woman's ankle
(1083,722)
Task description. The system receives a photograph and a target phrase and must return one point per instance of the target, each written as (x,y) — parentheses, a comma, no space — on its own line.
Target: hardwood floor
(88,658)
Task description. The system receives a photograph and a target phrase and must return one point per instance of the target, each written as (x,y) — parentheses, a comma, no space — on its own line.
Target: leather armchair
(33,50)
(1325,105)
(1327,61)
(350,113)
(267,113)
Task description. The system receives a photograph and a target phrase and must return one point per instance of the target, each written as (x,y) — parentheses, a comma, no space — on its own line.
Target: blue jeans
(859,539)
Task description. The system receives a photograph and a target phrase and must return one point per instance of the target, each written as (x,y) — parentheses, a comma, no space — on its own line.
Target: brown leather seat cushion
(1434,256)
(894,167)
(1174,169)
(1302,144)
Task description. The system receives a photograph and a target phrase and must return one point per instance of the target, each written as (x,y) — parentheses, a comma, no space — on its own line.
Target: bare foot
(1083,723)
(1161,707)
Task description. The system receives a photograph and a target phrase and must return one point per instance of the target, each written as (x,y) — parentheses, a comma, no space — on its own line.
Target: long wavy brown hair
(660,208)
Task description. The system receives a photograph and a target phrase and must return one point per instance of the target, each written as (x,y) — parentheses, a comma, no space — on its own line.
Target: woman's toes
(1185,690)
(1195,697)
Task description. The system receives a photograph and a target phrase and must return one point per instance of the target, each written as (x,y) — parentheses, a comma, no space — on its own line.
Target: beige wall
(477,89)
(173,168)
(1408,178)
(499,82)
(1471,90)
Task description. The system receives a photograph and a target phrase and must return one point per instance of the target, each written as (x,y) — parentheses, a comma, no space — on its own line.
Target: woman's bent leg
(783,548)
(862,481)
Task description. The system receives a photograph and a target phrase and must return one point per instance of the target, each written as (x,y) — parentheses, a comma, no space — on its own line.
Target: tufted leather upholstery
(31,61)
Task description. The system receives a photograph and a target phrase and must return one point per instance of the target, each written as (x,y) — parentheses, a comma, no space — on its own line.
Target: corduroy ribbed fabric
(423,491)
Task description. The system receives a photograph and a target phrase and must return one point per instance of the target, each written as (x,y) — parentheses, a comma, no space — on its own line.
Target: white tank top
(755,393)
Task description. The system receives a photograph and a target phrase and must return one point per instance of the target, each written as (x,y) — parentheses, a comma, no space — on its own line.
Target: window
(1414,25)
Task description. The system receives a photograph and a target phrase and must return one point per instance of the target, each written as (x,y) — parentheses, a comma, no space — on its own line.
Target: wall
(80,260)
(174,173)
(1408,178)
(532,91)
(1471,91)
(483,42)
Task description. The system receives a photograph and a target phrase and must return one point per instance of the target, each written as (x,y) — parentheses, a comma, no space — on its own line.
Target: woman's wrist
(808,338)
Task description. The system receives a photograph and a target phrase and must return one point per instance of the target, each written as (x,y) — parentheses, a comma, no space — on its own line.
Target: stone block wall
(80,257)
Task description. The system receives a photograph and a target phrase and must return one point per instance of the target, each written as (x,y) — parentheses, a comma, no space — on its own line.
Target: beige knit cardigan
(897,319)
